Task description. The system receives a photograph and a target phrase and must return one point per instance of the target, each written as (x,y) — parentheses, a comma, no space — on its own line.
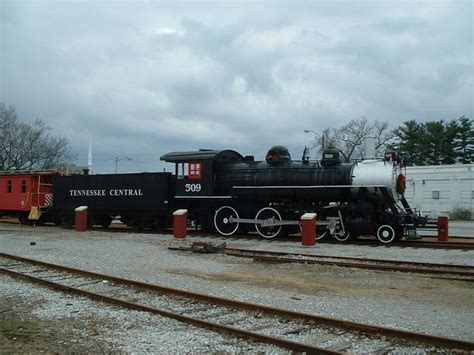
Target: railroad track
(287,329)
(430,242)
(436,244)
(455,272)
(460,243)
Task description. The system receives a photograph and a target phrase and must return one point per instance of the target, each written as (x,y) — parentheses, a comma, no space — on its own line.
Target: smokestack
(369,147)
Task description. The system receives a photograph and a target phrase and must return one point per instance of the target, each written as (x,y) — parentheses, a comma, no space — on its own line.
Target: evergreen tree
(436,142)
(411,140)
(433,142)
(464,146)
(448,151)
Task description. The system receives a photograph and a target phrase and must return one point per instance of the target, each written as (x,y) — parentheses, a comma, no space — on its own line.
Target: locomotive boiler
(230,193)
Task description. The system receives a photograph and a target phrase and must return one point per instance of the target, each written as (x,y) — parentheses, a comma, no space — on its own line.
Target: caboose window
(9,186)
(23,186)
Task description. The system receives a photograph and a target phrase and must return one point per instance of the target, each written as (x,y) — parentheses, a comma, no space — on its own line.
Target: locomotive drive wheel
(269,215)
(386,234)
(344,237)
(321,234)
(223,220)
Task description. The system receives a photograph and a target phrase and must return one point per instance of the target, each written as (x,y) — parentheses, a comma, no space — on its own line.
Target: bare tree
(29,146)
(349,138)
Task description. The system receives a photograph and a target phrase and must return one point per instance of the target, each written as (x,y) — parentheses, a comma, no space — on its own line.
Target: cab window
(183,170)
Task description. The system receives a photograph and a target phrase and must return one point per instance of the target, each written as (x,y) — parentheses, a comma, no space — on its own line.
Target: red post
(180,223)
(308,229)
(443,228)
(81,219)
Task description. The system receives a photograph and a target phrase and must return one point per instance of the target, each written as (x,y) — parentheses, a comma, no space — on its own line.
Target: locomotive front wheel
(386,234)
(223,220)
(268,216)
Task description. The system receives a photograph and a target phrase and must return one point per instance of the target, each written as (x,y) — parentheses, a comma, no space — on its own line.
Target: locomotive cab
(195,170)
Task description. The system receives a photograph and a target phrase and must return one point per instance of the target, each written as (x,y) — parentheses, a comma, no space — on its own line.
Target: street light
(317,135)
(117,160)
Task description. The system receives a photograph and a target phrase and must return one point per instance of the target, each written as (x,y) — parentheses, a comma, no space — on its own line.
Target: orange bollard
(81,219)
(443,228)
(180,223)
(308,229)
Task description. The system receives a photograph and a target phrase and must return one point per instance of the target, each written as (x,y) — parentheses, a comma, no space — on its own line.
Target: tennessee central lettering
(111,192)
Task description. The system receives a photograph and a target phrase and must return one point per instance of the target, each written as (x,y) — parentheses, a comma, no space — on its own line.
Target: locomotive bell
(277,154)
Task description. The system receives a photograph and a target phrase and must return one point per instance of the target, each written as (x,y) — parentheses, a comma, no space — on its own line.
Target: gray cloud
(143,78)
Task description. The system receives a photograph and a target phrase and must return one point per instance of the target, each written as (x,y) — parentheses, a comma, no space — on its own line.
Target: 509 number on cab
(192,188)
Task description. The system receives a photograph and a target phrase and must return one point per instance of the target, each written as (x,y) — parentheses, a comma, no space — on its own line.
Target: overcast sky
(143,78)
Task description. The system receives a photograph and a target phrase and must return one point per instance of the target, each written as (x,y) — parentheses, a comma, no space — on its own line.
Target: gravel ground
(404,301)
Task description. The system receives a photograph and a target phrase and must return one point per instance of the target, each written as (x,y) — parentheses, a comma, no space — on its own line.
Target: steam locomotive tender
(229,193)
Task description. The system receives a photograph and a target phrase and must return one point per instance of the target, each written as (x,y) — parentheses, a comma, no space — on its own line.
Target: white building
(439,189)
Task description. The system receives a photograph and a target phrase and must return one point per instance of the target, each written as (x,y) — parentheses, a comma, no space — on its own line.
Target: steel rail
(461,245)
(288,344)
(434,244)
(270,259)
(403,244)
(401,262)
(363,263)
(408,243)
(368,328)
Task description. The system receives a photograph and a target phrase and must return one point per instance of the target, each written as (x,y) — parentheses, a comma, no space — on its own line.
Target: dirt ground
(23,333)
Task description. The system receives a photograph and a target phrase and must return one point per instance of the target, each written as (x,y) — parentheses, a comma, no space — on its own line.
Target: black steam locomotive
(229,193)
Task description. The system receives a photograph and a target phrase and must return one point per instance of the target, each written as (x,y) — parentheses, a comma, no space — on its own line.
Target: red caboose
(26,195)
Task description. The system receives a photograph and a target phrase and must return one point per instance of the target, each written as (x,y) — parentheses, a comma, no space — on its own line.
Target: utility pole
(117,160)
(321,137)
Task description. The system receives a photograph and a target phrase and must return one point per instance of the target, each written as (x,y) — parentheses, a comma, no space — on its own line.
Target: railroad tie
(295,331)
(320,339)
(340,346)
(260,327)
(382,349)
